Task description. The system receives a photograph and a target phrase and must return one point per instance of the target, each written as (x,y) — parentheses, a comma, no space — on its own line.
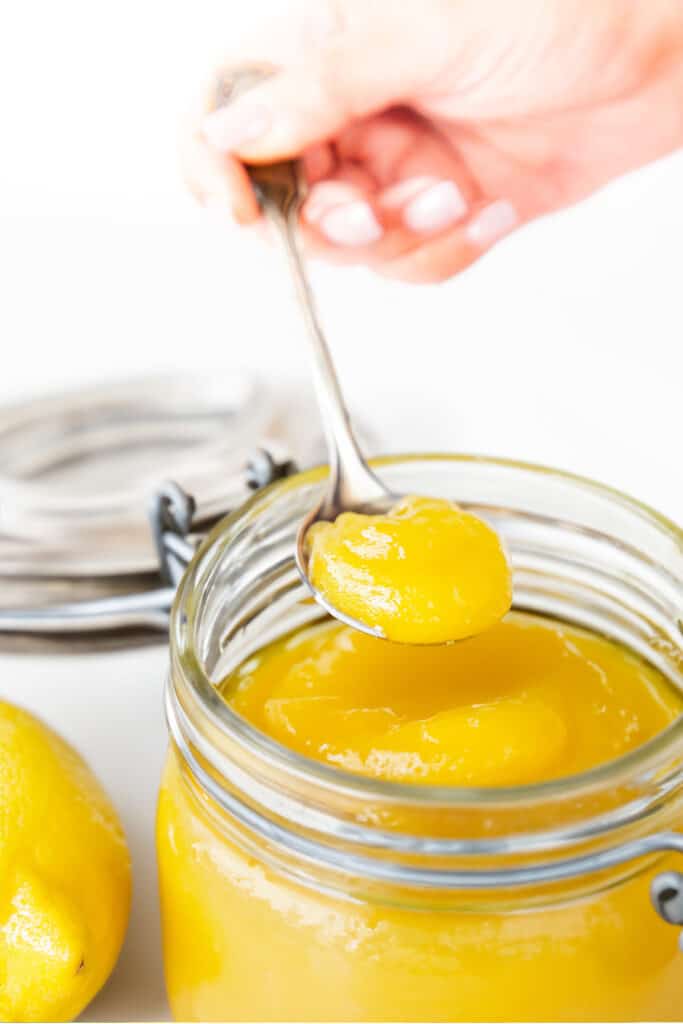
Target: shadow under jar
(294,891)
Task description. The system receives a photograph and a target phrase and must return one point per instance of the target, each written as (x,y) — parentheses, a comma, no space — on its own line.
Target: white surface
(110,707)
(564,346)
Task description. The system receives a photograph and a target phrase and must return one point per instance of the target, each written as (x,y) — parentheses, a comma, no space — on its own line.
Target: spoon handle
(280,190)
(352,482)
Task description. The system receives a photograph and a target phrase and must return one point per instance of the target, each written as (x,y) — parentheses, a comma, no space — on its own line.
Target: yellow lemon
(64,875)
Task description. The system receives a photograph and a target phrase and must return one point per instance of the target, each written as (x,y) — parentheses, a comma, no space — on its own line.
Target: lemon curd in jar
(529,700)
(351,829)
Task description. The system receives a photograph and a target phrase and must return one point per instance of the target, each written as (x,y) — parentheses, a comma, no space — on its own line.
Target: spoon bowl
(301,555)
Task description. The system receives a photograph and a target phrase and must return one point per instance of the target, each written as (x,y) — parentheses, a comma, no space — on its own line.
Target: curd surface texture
(426,572)
(527,701)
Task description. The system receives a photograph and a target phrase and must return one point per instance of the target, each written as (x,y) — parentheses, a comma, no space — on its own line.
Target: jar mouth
(653,760)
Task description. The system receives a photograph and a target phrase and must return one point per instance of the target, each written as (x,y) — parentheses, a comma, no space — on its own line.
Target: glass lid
(79,473)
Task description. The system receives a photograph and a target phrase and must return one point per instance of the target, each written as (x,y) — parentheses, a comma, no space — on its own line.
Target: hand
(430,129)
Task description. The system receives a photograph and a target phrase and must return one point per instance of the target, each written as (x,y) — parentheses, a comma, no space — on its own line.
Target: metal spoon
(352,486)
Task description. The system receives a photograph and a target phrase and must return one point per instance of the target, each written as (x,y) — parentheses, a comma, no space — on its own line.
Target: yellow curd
(529,700)
(426,572)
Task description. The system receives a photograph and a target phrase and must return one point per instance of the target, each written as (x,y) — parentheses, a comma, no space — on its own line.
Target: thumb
(342,78)
(291,110)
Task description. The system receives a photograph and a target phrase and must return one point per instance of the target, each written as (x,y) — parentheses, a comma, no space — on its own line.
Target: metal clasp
(666,892)
(171,513)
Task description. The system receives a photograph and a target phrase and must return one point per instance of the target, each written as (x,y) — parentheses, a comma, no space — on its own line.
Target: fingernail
(351,224)
(325,197)
(435,207)
(225,130)
(400,194)
(492,223)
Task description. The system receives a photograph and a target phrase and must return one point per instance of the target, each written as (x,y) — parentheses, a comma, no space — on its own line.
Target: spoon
(352,486)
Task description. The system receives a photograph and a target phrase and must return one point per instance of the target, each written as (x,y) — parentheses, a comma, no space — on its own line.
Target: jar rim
(640,760)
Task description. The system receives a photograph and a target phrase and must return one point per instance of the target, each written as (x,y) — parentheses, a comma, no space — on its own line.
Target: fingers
(441,258)
(287,113)
(216,180)
(397,183)
(391,191)
(340,211)
(359,58)
(319,162)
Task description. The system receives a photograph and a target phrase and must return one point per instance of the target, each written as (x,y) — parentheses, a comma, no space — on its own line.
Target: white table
(110,707)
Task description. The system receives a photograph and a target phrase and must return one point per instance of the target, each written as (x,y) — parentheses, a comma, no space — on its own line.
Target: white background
(564,346)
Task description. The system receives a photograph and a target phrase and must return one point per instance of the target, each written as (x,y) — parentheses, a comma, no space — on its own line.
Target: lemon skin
(64,875)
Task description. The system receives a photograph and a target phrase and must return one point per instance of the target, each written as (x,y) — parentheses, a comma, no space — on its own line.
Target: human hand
(430,129)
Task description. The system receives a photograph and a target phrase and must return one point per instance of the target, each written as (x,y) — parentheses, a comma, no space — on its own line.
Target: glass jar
(294,891)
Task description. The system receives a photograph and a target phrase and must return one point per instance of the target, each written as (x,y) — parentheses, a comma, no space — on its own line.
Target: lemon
(64,875)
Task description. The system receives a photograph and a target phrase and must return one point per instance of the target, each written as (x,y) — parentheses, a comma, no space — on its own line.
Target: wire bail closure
(170,516)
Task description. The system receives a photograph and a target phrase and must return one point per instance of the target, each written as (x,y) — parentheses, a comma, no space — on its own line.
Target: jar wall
(246,939)
(244,942)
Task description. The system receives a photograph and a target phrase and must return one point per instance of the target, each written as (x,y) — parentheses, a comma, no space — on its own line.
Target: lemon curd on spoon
(425,572)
